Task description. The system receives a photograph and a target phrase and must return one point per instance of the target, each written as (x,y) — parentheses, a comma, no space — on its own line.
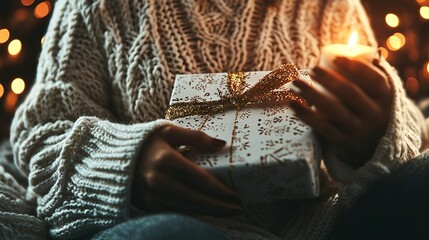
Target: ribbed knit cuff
(21,226)
(94,189)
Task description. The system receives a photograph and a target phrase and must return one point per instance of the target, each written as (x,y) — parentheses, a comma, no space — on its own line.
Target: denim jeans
(162,227)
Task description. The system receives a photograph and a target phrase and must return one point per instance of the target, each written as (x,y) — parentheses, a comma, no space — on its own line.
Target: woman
(91,137)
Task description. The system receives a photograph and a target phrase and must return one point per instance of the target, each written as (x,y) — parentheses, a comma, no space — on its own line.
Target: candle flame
(353,39)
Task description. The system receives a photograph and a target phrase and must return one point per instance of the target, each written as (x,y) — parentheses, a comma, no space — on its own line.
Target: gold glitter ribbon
(262,92)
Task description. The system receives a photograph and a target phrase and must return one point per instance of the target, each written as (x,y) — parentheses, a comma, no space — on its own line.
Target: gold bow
(261,93)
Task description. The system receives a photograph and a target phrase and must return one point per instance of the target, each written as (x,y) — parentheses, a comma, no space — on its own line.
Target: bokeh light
(424,12)
(42,40)
(18,85)
(412,85)
(27,2)
(401,37)
(383,52)
(396,41)
(392,20)
(42,9)
(10,102)
(21,15)
(4,35)
(1,90)
(14,47)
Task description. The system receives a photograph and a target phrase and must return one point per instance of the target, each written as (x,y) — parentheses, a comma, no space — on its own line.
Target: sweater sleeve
(406,130)
(78,159)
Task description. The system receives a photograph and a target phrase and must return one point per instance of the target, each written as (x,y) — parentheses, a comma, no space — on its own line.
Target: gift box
(270,154)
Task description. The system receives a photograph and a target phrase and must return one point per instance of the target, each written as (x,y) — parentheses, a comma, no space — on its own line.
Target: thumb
(178,136)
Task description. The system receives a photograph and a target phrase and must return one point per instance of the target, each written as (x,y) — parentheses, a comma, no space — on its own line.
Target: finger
(198,178)
(318,122)
(368,77)
(178,136)
(326,105)
(348,93)
(174,194)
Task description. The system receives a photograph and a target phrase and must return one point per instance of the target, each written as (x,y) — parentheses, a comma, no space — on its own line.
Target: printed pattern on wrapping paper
(275,155)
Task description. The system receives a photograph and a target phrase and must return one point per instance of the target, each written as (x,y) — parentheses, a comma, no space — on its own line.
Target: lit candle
(350,50)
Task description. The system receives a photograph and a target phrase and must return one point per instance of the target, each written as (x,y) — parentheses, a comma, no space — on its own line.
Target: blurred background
(401,27)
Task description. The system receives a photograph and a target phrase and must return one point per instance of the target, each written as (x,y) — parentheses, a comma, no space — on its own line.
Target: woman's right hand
(165,180)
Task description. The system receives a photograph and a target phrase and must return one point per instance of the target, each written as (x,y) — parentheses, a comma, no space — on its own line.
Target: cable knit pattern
(104,80)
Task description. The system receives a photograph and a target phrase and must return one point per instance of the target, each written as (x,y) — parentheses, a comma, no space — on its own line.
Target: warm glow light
(412,85)
(392,20)
(383,52)
(10,102)
(394,43)
(424,12)
(353,39)
(401,37)
(21,15)
(1,90)
(42,40)
(427,66)
(18,85)
(14,47)
(27,2)
(42,9)
(4,35)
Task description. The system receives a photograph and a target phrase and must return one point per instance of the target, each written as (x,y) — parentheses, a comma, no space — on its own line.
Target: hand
(354,116)
(167,181)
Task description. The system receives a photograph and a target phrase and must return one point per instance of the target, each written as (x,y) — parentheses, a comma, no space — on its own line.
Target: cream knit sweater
(104,81)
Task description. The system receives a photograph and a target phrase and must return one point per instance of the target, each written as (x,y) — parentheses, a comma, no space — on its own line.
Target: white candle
(351,50)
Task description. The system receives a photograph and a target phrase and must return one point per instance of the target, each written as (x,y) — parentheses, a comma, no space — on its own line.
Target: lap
(395,207)
(161,227)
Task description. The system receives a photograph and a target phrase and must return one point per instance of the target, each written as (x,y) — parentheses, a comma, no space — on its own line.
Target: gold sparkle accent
(262,93)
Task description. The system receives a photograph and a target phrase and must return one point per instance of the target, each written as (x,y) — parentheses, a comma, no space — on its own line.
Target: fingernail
(218,142)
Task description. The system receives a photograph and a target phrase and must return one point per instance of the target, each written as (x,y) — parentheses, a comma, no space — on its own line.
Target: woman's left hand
(354,115)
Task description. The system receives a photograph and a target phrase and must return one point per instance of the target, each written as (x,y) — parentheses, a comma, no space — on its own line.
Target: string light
(392,20)
(4,35)
(394,43)
(42,9)
(1,90)
(21,15)
(18,86)
(11,101)
(424,12)
(412,84)
(14,47)
(427,66)
(27,2)
(401,38)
